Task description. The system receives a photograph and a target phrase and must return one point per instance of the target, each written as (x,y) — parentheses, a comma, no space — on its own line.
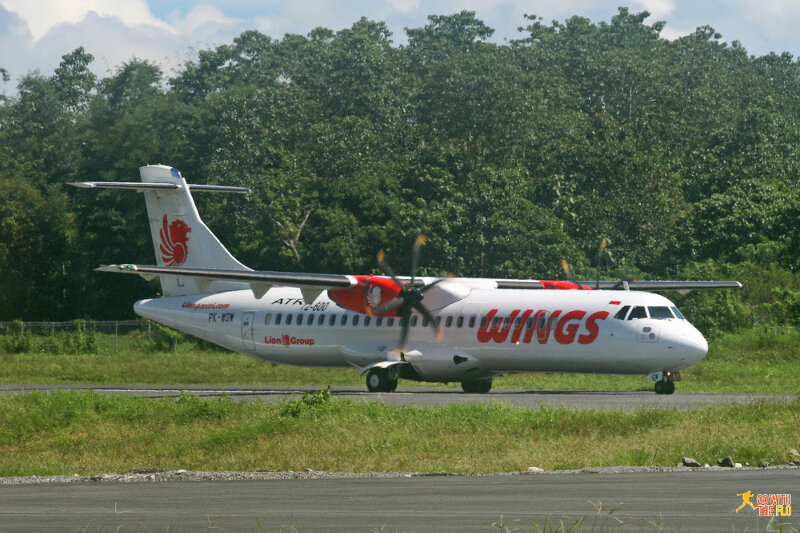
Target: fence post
(116,334)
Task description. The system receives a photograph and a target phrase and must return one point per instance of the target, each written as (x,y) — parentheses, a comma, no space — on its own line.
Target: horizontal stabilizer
(142,186)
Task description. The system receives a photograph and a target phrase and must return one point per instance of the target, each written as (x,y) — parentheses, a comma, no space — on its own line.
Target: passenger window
(414,321)
(638,312)
(278,319)
(390,322)
(448,322)
(678,313)
(518,322)
(424,322)
(299,319)
(367,320)
(529,325)
(542,322)
(460,322)
(402,323)
(344,320)
(379,321)
(268,319)
(310,320)
(332,320)
(484,320)
(506,321)
(437,321)
(660,312)
(472,321)
(355,320)
(495,322)
(288,319)
(622,312)
(321,319)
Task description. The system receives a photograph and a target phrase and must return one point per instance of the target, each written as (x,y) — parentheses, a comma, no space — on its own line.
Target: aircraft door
(247,330)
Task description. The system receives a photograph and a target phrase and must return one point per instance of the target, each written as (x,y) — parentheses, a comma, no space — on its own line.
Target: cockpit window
(678,313)
(660,312)
(622,312)
(638,312)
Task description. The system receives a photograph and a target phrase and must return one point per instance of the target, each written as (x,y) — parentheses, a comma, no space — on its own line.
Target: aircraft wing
(633,285)
(311,285)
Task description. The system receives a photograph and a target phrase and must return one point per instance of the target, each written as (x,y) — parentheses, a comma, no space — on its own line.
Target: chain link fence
(87,335)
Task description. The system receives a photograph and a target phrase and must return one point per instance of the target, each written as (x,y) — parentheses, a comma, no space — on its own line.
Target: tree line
(511,157)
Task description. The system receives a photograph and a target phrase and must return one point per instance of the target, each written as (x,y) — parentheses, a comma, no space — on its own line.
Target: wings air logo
(173,242)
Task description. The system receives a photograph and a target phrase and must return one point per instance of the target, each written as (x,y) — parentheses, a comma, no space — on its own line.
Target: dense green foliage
(510,156)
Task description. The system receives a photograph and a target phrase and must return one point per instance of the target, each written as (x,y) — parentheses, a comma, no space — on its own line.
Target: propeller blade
(387,269)
(418,244)
(429,317)
(406,324)
(567,271)
(431,285)
(600,251)
(391,306)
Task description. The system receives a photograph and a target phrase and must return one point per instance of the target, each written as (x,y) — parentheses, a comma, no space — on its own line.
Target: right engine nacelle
(437,362)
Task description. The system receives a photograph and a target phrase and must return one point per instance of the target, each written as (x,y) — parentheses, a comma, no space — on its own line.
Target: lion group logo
(174,239)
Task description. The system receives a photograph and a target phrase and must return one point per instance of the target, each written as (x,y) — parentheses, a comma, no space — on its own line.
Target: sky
(35,34)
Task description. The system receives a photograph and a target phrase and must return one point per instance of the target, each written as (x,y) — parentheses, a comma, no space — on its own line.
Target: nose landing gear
(665,381)
(665,387)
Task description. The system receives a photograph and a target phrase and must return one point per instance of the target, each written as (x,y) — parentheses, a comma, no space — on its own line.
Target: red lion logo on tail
(173,242)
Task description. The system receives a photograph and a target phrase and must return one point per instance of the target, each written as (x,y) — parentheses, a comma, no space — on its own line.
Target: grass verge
(85,433)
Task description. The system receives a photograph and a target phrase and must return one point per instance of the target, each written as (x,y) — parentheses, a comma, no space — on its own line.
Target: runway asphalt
(427,397)
(699,500)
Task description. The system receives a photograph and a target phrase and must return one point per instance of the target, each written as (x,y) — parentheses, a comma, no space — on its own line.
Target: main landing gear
(381,380)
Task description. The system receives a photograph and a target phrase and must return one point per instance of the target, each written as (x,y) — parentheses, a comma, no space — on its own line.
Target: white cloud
(659,9)
(44,15)
(404,6)
(204,16)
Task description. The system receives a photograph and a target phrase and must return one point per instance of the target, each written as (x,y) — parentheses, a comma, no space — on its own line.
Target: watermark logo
(767,504)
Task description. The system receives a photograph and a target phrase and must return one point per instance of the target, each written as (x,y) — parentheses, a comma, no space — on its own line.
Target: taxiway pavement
(427,397)
(697,500)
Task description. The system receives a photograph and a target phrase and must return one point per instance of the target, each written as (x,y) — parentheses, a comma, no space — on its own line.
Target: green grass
(758,360)
(84,432)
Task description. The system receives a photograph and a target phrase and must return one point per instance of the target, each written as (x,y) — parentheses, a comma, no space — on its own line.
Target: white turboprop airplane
(449,329)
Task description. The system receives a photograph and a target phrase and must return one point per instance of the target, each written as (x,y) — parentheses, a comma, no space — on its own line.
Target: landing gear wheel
(665,387)
(378,380)
(477,386)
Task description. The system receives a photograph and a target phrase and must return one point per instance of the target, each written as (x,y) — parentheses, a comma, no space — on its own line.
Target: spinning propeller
(410,297)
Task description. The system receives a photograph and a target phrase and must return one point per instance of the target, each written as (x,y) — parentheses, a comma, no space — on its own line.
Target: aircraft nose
(694,347)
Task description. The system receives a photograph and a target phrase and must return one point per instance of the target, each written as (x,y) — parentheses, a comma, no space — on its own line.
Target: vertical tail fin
(180,238)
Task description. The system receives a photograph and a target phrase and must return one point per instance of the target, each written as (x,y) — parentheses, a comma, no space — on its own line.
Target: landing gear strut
(477,386)
(379,380)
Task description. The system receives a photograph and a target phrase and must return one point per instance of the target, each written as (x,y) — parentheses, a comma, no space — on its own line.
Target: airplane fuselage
(492,331)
